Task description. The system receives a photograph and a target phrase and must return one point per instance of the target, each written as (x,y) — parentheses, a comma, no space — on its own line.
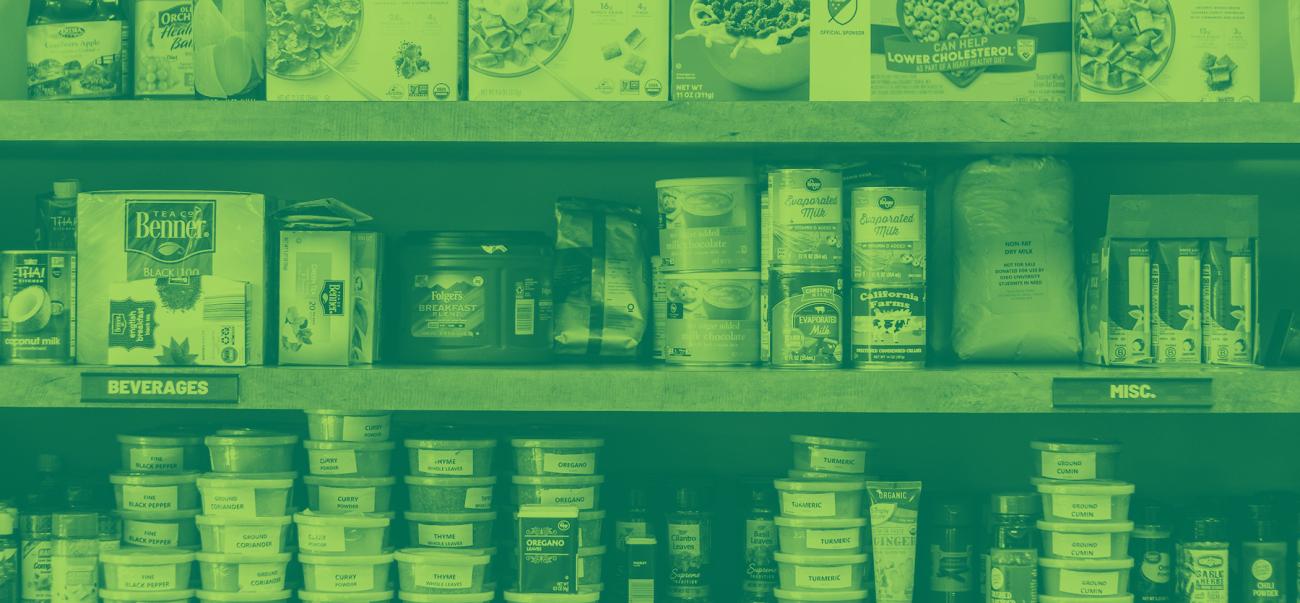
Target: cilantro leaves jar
(476,297)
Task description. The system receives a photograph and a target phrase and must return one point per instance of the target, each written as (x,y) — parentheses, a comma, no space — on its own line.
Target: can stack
(344,534)
(822,541)
(888,274)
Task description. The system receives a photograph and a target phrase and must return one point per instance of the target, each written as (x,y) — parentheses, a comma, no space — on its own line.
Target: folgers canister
(807,317)
(712,318)
(807,208)
(888,274)
(38,321)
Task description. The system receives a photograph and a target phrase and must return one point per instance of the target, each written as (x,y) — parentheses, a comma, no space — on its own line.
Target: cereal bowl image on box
(767,53)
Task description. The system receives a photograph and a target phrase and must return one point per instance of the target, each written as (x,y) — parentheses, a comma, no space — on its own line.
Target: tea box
(329,297)
(194,321)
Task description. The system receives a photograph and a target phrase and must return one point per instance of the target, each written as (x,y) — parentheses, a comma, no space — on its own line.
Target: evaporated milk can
(38,307)
(807,317)
(807,208)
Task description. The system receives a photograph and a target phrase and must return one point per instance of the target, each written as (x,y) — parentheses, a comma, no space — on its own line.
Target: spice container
(516,597)
(1011,572)
(830,455)
(483,597)
(165,529)
(1086,540)
(161,453)
(375,597)
(580,491)
(206,596)
(820,498)
(346,573)
(1076,460)
(348,425)
(450,494)
(1089,501)
(334,495)
(591,563)
(820,536)
(251,451)
(591,527)
(1152,548)
(557,456)
(1085,577)
(814,596)
(816,475)
(821,572)
(118,596)
(951,552)
(244,535)
(239,572)
(155,492)
(451,530)
(451,456)
(430,571)
(146,569)
(355,459)
(246,495)
(342,534)
(1127,598)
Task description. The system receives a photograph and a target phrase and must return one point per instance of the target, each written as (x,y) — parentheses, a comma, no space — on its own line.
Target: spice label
(446,536)
(156,460)
(1081,546)
(345,578)
(1090,584)
(569,464)
(1069,465)
(261,577)
(347,500)
(813,577)
(799,504)
(445,462)
(252,539)
(950,571)
(1081,507)
(1012,575)
(834,540)
(332,462)
(837,461)
(148,577)
(36,569)
(143,533)
(684,540)
(479,498)
(1157,567)
(150,498)
(230,502)
(444,577)
(321,539)
(582,498)
(1206,572)
(760,566)
(366,429)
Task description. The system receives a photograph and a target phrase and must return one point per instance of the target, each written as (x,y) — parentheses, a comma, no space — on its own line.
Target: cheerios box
(371,50)
(990,50)
(562,50)
(797,51)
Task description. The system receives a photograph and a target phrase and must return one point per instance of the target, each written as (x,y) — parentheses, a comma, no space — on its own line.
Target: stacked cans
(887,271)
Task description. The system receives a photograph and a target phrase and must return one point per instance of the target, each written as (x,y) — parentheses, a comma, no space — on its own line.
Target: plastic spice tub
(1117,599)
(820,475)
(348,425)
(206,596)
(821,536)
(451,457)
(134,569)
(1091,540)
(357,459)
(449,494)
(820,498)
(431,571)
(161,453)
(486,596)
(1085,577)
(375,597)
(581,491)
(356,534)
(251,451)
(247,495)
(1076,460)
(830,455)
(238,572)
(172,596)
(346,573)
(155,491)
(814,596)
(821,572)
(334,495)
(514,597)
(591,527)
(559,456)
(451,530)
(1085,501)
(591,561)
(160,529)
(244,535)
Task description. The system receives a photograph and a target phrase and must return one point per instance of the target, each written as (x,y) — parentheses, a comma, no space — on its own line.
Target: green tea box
(367,50)
(723,51)
(179,251)
(329,297)
(954,50)
(567,50)
(1167,50)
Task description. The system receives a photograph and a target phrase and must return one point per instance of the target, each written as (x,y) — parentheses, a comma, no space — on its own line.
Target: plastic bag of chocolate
(602,295)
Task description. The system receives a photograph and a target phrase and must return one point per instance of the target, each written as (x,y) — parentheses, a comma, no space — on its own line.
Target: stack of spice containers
(821,532)
(244,528)
(450,521)
(344,535)
(1085,528)
(157,501)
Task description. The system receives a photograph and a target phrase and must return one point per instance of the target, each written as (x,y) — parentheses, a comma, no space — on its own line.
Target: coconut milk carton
(1228,312)
(187,246)
(1176,297)
(329,297)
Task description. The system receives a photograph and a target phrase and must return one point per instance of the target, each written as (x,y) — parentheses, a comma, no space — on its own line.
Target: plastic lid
(1085,527)
(449,443)
(153,479)
(1114,599)
(427,556)
(222,520)
(828,596)
(349,482)
(814,485)
(159,439)
(1208,529)
(475,241)
(162,595)
(349,520)
(137,555)
(346,559)
(1150,516)
(558,442)
(472,517)
(257,481)
(514,597)
(830,442)
(250,437)
(483,597)
(64,189)
(242,558)
(365,446)
(557,480)
(1093,488)
(591,515)
(592,551)
(157,516)
(800,474)
(714,180)
(820,523)
(450,482)
(1086,565)
(347,413)
(1016,503)
(819,559)
(254,597)
(307,595)
(1081,445)
(953,513)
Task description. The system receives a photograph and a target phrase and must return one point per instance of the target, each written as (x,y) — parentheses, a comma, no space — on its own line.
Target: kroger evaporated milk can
(887,268)
(713,318)
(807,209)
(38,320)
(708,224)
(807,317)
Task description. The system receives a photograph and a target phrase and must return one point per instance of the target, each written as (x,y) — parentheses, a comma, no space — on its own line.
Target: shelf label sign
(1192,392)
(157,388)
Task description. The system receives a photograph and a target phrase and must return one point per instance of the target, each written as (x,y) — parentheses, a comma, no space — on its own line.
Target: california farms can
(708,224)
(888,326)
(713,318)
(807,317)
(807,209)
(38,295)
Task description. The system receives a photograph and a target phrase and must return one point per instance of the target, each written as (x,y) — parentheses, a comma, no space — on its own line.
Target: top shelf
(721,123)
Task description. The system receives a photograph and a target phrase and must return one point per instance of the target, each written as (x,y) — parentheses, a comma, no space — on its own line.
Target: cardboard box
(611,50)
(199,322)
(392,50)
(820,54)
(329,297)
(172,238)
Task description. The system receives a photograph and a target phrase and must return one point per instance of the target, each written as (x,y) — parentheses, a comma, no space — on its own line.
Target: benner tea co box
(171,277)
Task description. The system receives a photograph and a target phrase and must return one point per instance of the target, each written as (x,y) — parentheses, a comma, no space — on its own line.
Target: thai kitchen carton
(329,297)
(169,277)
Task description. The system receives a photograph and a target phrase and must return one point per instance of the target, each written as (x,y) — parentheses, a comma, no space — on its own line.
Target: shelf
(564,388)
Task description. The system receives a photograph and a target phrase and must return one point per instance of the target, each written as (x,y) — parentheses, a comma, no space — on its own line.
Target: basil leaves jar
(476,297)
